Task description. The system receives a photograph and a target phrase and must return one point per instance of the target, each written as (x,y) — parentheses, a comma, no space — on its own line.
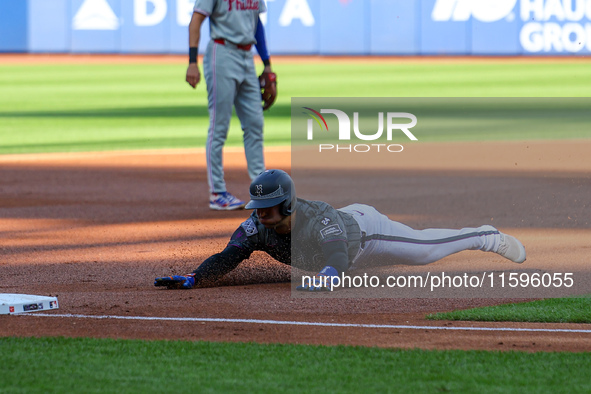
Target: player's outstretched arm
(335,255)
(220,264)
(212,269)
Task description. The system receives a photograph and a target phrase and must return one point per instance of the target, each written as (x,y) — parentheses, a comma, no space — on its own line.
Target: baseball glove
(268,82)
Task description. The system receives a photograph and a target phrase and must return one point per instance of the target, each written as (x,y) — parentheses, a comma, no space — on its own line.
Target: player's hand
(176,281)
(193,75)
(325,280)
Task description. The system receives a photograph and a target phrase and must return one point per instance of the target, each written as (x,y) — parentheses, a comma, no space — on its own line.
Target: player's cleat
(511,248)
(323,281)
(176,281)
(225,202)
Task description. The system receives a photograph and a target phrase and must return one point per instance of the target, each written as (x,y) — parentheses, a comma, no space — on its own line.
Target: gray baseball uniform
(356,236)
(312,235)
(384,241)
(231,80)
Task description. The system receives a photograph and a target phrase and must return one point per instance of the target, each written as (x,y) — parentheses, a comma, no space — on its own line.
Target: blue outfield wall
(13,26)
(327,27)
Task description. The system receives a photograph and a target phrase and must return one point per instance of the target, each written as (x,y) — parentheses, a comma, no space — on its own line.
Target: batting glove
(176,281)
(323,281)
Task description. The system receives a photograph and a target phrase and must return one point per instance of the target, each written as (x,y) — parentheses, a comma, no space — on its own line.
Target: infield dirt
(95,229)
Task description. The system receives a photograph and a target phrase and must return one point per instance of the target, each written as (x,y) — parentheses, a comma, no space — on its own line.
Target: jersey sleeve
(218,265)
(332,237)
(247,236)
(204,7)
(335,255)
(261,42)
(330,228)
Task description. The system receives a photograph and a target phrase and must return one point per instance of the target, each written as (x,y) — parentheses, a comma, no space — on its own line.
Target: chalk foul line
(302,323)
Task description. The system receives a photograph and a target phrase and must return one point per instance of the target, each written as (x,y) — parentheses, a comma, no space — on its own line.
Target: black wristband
(267,62)
(193,54)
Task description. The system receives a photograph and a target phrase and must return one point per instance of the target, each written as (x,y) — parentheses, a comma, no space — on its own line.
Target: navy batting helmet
(270,188)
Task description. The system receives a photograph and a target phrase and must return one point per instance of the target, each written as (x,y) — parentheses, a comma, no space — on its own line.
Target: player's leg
(250,112)
(218,67)
(390,242)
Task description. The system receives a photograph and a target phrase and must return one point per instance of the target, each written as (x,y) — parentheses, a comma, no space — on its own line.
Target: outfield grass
(553,310)
(62,365)
(61,108)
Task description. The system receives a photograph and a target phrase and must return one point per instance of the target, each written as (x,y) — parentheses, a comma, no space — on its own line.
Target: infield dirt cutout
(95,229)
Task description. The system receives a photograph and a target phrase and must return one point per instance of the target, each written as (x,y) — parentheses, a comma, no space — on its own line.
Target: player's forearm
(219,265)
(261,46)
(195,32)
(335,254)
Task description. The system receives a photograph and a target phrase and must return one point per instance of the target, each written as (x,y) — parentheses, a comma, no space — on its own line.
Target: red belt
(243,47)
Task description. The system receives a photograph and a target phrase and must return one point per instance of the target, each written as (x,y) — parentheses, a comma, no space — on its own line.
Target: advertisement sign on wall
(328,27)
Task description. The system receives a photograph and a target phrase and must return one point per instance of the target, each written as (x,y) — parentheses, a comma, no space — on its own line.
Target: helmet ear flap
(286,208)
(289,203)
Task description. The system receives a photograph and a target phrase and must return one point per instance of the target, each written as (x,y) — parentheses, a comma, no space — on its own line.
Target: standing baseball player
(231,81)
(337,240)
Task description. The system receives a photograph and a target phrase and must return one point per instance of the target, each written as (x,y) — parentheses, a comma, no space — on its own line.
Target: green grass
(553,310)
(89,107)
(62,365)
(457,118)
(57,108)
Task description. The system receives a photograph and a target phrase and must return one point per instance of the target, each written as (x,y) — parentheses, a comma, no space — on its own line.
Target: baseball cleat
(225,202)
(510,248)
